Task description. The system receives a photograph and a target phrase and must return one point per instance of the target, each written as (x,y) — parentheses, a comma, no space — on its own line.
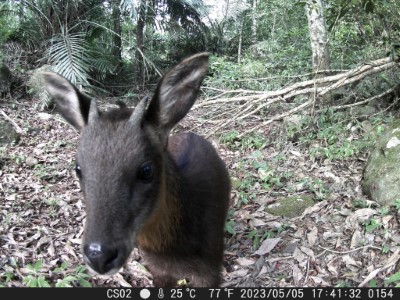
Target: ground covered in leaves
(344,239)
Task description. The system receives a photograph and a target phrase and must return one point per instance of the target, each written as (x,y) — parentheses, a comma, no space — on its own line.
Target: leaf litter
(332,243)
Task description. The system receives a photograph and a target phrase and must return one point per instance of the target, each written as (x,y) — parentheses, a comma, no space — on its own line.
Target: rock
(294,120)
(290,207)
(363,111)
(381,177)
(31,161)
(45,116)
(37,90)
(8,135)
(5,79)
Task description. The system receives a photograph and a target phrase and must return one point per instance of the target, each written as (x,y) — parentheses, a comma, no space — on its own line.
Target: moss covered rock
(290,207)
(5,78)
(381,178)
(8,135)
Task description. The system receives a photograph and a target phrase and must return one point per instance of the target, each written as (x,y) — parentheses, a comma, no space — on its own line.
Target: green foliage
(79,276)
(317,186)
(230,223)
(360,203)
(371,225)
(384,210)
(395,278)
(70,57)
(256,176)
(37,277)
(330,135)
(249,142)
(343,284)
(385,249)
(254,236)
(397,204)
(8,23)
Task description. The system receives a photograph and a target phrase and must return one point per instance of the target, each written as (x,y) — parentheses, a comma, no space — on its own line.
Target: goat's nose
(101,258)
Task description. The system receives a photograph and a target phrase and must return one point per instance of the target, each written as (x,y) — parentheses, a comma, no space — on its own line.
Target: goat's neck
(160,229)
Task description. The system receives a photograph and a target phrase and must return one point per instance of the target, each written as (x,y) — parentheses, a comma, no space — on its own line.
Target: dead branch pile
(237,106)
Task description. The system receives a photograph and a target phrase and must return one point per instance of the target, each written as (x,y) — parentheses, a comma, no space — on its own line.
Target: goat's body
(202,188)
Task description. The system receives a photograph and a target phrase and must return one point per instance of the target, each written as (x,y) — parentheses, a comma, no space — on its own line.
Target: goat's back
(204,192)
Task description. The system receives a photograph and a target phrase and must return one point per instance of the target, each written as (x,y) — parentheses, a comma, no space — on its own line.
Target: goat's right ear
(72,105)
(176,93)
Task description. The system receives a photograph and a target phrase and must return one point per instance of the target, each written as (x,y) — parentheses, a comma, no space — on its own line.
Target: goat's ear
(72,105)
(176,93)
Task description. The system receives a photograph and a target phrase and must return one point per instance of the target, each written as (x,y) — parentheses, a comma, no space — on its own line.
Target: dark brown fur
(177,215)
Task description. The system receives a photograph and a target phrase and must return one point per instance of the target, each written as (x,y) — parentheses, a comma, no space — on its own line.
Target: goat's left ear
(71,104)
(176,93)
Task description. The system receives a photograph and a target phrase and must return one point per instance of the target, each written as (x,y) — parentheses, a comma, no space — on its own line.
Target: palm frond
(70,57)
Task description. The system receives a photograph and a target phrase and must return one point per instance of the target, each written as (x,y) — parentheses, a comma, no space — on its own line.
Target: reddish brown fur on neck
(160,229)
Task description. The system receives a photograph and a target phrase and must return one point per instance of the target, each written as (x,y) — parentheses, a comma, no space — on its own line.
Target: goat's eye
(146,172)
(78,170)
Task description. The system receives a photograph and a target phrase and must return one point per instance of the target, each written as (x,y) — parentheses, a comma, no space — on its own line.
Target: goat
(168,195)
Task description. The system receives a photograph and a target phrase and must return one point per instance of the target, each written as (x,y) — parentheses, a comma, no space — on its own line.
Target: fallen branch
(15,125)
(252,102)
(389,91)
(278,117)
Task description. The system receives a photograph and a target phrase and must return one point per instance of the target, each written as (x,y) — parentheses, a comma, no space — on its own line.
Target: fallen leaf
(350,261)
(243,261)
(312,236)
(333,266)
(356,239)
(360,216)
(297,274)
(267,246)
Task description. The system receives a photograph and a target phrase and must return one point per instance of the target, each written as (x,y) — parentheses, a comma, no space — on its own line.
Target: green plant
(371,225)
(53,206)
(255,237)
(254,142)
(395,278)
(245,189)
(248,142)
(18,158)
(8,275)
(397,204)
(373,283)
(230,223)
(385,249)
(229,227)
(362,203)
(342,284)
(68,279)
(384,210)
(35,278)
(282,228)
(229,138)
(328,135)
(317,186)
(38,278)
(40,171)
(256,176)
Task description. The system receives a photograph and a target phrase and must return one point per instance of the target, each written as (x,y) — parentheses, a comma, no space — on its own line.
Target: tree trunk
(139,70)
(240,44)
(254,22)
(318,38)
(116,19)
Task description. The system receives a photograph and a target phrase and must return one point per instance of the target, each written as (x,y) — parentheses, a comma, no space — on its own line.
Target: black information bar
(202,293)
